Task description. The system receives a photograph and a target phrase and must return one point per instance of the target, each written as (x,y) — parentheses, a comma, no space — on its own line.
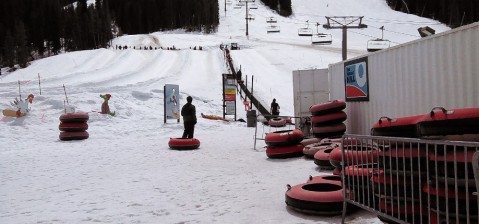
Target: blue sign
(356,81)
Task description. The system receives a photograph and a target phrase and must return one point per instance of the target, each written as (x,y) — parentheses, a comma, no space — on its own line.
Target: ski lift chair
(271,20)
(237,6)
(250,17)
(305,32)
(378,44)
(273,29)
(229,2)
(241,4)
(321,39)
(253,6)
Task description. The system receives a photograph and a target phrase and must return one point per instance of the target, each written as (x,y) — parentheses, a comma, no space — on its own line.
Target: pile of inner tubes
(327,118)
(284,144)
(321,195)
(73,126)
(441,175)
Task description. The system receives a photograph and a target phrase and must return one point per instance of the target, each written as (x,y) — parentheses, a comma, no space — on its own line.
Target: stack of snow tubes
(284,144)
(450,167)
(73,126)
(327,118)
(321,195)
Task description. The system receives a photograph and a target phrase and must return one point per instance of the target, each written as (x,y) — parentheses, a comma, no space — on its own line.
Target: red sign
(230,97)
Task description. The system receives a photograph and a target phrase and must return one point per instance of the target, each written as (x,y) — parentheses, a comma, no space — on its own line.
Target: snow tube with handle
(358,174)
(329,130)
(337,139)
(73,127)
(451,198)
(455,124)
(284,138)
(413,212)
(69,136)
(77,117)
(397,127)
(310,150)
(321,158)
(355,154)
(184,143)
(399,160)
(327,107)
(328,119)
(309,141)
(333,179)
(448,175)
(284,151)
(320,198)
(277,122)
(391,185)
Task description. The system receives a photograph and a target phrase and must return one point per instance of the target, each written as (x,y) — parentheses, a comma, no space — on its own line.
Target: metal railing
(407,180)
(265,119)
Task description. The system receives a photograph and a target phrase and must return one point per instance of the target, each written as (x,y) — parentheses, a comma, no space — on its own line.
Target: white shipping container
(410,79)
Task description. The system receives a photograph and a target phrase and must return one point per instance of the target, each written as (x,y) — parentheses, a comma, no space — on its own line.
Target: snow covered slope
(125,173)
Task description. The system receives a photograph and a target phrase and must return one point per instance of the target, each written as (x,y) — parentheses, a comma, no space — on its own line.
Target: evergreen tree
(21,45)
(9,50)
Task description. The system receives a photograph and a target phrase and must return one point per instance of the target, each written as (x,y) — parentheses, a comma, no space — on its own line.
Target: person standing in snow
(274,108)
(188,111)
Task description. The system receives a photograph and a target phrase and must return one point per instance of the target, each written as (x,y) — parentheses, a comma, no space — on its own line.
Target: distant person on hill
(188,111)
(274,108)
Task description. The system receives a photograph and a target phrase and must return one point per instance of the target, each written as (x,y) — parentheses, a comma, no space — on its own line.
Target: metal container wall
(412,78)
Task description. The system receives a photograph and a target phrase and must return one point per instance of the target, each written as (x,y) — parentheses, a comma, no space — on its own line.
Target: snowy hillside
(125,172)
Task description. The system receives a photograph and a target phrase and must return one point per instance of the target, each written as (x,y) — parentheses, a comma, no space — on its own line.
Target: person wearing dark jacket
(274,108)
(188,111)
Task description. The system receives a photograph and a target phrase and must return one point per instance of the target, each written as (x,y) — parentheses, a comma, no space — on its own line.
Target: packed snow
(125,172)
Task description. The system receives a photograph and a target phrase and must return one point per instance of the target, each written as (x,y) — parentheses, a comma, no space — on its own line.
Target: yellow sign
(230,91)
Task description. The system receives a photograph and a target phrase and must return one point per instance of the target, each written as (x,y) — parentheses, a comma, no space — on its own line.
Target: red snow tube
(284,138)
(78,117)
(397,127)
(284,151)
(330,130)
(309,141)
(355,154)
(277,122)
(333,179)
(451,198)
(448,175)
(455,124)
(358,174)
(69,136)
(73,127)
(327,107)
(405,208)
(184,143)
(321,158)
(395,159)
(337,171)
(328,119)
(321,198)
(347,141)
(310,150)
(391,185)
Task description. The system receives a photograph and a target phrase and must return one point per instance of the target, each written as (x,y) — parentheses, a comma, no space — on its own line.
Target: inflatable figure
(21,107)
(105,109)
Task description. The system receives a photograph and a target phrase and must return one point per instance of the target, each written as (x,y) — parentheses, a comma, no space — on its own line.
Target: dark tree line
(145,16)
(453,13)
(31,29)
(283,7)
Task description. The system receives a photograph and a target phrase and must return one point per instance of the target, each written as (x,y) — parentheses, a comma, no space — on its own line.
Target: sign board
(356,80)
(230,108)
(229,95)
(172,102)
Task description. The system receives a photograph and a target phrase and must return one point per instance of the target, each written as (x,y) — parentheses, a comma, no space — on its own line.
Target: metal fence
(406,180)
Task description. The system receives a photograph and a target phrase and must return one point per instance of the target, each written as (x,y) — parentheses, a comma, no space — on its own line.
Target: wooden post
(39,86)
